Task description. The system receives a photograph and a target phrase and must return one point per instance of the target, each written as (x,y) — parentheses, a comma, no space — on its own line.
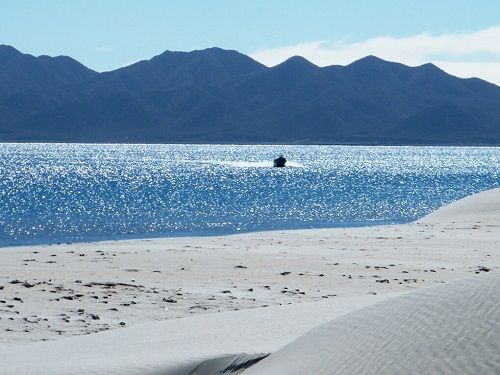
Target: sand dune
(448,329)
(414,298)
(474,209)
(178,346)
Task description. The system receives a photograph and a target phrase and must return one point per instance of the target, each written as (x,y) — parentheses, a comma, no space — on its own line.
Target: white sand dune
(448,329)
(369,301)
(179,346)
(474,209)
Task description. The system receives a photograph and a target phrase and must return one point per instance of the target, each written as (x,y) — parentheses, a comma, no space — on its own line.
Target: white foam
(249,164)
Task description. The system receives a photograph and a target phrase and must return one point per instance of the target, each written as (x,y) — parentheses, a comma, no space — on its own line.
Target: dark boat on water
(279,161)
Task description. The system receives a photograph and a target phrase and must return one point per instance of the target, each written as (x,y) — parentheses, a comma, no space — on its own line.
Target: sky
(460,36)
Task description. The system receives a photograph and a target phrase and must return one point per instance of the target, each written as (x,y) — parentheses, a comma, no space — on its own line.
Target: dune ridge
(227,364)
(447,329)
(472,209)
(178,346)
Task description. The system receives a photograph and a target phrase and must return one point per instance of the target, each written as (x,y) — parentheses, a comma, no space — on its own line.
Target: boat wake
(251,164)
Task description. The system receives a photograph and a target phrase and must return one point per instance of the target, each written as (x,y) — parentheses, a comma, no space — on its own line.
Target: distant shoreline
(486,145)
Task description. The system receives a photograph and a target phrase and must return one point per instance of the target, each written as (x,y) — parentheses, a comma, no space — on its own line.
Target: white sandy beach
(349,301)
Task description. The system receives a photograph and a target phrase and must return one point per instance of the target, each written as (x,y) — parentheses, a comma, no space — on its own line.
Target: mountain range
(222,96)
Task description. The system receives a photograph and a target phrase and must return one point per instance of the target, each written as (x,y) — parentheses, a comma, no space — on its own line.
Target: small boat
(279,162)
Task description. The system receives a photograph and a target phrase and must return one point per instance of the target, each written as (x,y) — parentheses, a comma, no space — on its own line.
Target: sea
(58,193)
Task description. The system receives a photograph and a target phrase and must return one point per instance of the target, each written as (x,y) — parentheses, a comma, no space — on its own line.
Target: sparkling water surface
(53,193)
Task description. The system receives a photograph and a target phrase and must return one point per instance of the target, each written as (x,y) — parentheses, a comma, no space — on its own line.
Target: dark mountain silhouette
(220,96)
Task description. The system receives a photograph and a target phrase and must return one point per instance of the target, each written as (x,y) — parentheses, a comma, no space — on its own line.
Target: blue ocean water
(53,193)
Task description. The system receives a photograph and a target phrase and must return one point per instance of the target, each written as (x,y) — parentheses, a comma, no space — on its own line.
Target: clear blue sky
(106,34)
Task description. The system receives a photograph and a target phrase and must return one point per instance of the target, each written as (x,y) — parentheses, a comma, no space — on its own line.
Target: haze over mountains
(220,96)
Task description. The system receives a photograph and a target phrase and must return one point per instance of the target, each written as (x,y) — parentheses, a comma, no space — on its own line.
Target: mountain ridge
(223,96)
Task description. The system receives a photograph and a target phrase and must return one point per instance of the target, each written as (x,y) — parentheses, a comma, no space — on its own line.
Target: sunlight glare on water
(75,192)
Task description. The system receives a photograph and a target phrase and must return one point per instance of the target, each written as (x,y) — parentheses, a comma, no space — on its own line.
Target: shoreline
(363,224)
(85,288)
(204,298)
(346,144)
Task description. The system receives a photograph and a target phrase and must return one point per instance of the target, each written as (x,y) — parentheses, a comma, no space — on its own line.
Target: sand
(449,329)
(242,297)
